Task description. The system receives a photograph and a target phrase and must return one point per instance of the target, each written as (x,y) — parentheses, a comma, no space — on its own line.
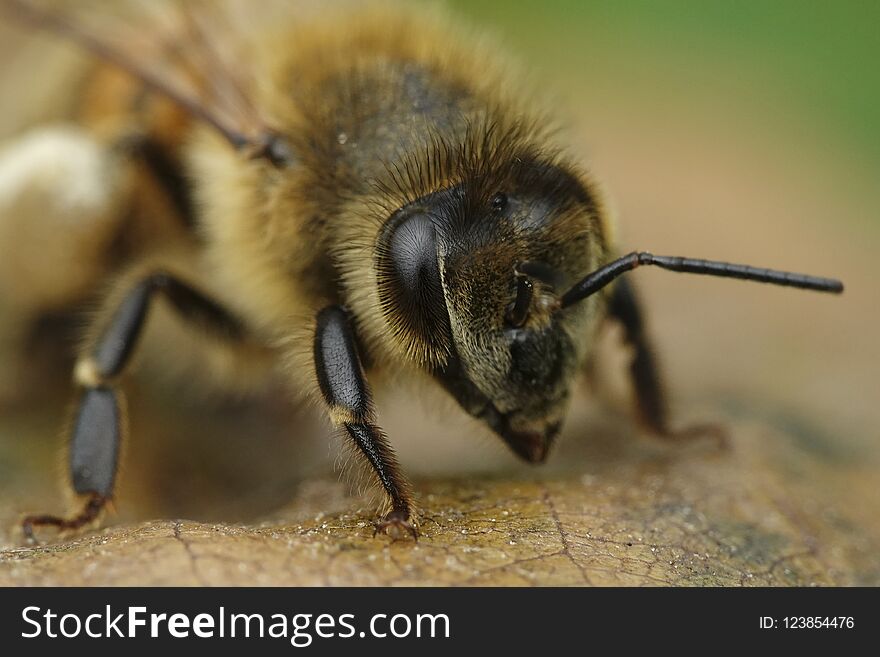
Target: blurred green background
(804,71)
(746,131)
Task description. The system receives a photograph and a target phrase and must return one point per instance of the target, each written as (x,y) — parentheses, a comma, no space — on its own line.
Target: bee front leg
(344,387)
(651,404)
(100,420)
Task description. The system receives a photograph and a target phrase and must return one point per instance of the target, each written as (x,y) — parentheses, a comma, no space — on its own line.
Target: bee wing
(172,48)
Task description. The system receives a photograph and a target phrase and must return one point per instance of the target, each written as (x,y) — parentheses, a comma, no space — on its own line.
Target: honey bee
(341,192)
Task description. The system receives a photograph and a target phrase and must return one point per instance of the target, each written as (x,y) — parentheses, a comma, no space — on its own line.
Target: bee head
(469,282)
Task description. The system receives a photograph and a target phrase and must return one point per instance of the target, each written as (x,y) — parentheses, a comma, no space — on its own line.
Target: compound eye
(518,311)
(413,254)
(410,289)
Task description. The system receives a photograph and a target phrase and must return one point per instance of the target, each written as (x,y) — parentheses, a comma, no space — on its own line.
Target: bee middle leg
(100,419)
(651,403)
(344,388)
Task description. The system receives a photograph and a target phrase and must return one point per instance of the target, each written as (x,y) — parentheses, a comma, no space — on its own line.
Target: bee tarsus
(345,390)
(396,524)
(90,513)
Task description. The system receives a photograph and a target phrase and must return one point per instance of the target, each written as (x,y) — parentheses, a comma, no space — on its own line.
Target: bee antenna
(598,279)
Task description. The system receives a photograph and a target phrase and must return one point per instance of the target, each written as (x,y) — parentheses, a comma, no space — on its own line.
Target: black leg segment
(98,425)
(338,366)
(93,459)
(94,446)
(344,388)
(647,381)
(114,347)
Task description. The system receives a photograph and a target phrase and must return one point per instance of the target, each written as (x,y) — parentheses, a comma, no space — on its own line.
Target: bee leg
(651,404)
(344,387)
(100,421)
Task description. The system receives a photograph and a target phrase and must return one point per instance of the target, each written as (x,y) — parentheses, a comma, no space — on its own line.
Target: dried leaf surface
(765,512)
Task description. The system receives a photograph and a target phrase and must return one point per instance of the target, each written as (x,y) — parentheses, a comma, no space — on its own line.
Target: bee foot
(397,525)
(90,514)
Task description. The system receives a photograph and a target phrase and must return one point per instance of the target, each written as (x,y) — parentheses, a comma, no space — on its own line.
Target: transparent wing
(191,51)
